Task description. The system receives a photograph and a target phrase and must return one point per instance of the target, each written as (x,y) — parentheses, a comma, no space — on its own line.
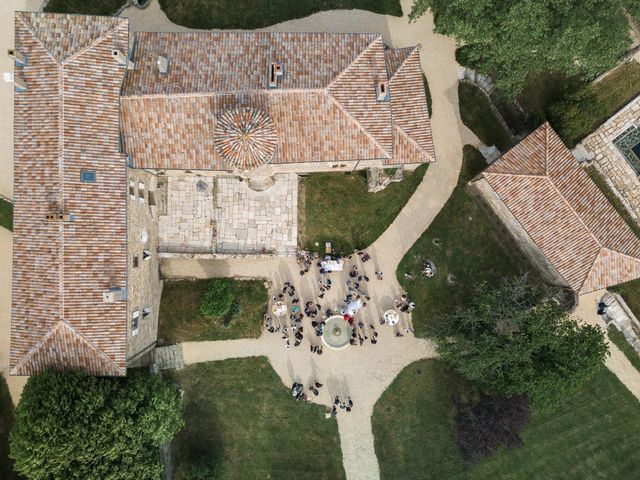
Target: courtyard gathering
(328,255)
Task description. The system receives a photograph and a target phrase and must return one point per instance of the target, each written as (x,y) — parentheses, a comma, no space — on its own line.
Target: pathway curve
(617,362)
(359,372)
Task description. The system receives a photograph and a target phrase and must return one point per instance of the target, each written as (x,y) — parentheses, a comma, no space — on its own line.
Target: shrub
(202,467)
(494,421)
(218,298)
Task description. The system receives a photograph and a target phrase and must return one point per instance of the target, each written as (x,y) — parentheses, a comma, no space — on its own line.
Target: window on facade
(146,254)
(146,312)
(152,198)
(134,322)
(135,261)
(141,192)
(88,176)
(132,189)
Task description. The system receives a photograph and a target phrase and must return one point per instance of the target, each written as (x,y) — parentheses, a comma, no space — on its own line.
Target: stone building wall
(144,283)
(610,162)
(498,213)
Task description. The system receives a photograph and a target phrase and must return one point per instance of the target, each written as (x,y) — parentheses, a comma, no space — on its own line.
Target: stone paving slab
(250,221)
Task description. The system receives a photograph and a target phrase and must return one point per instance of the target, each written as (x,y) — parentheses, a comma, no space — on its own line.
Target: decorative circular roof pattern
(245,137)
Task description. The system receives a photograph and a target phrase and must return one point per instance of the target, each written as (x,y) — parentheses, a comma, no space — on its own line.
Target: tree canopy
(512,341)
(73,426)
(510,39)
(218,298)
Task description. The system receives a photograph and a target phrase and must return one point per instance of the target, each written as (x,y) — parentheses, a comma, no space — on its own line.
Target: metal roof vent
(276,72)
(382,91)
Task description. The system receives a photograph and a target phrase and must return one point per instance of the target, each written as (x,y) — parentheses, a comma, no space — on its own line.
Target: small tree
(494,421)
(73,426)
(512,342)
(218,298)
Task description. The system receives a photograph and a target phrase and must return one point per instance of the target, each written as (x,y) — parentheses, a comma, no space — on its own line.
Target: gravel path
(617,362)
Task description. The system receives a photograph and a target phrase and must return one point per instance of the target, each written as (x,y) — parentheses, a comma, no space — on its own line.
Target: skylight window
(88,176)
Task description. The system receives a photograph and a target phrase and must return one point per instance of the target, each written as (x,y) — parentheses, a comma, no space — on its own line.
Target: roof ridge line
(593,264)
(566,202)
(36,37)
(234,92)
(360,126)
(528,175)
(408,137)
(98,40)
(403,63)
(360,55)
(80,335)
(546,149)
(36,347)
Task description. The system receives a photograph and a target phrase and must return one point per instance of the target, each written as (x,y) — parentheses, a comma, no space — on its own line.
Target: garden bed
(180,319)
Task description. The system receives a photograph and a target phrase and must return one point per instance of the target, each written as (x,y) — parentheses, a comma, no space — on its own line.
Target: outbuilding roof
(565,213)
(69,235)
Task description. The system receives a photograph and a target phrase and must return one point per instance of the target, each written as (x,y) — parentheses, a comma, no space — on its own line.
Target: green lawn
(618,339)
(630,292)
(593,434)
(468,251)
(6,214)
(6,421)
(87,7)
(206,14)
(338,209)
(180,319)
(613,198)
(238,413)
(477,115)
(582,112)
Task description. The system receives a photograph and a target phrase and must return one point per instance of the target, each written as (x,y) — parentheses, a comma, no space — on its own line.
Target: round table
(279,309)
(337,333)
(391,317)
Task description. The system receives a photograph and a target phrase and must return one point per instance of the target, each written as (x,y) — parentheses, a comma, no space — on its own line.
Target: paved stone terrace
(188,225)
(250,221)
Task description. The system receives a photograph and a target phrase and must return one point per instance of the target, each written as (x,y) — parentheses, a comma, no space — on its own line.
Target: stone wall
(610,162)
(498,213)
(144,283)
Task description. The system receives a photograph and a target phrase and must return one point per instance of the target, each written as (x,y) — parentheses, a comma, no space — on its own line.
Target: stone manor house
(133,147)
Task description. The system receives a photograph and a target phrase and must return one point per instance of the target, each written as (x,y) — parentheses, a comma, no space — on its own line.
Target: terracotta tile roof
(324,107)
(409,103)
(67,121)
(565,213)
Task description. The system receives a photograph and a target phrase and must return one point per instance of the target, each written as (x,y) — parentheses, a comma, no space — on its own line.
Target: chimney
(122,59)
(163,64)
(382,91)
(19,59)
(276,71)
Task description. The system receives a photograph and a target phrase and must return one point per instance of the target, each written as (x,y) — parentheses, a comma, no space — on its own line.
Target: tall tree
(514,37)
(512,341)
(72,426)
